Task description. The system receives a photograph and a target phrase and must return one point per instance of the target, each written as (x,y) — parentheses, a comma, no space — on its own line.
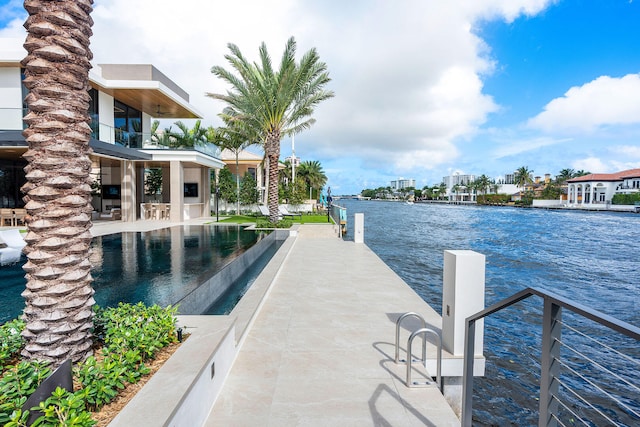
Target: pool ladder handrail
(424,331)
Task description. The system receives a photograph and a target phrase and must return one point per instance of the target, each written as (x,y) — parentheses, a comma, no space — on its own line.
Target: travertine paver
(320,352)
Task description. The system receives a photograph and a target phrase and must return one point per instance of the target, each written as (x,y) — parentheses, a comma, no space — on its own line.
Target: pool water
(228,300)
(153,267)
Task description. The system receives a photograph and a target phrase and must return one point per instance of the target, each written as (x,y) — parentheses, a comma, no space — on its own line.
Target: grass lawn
(306,219)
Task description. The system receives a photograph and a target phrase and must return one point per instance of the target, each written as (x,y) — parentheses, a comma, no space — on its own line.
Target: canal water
(590,257)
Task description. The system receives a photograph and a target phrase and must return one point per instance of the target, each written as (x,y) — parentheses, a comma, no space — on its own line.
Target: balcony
(147,141)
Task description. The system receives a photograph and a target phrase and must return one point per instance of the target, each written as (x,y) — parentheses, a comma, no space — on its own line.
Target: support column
(128,191)
(549,365)
(358,228)
(462,296)
(176,172)
(205,179)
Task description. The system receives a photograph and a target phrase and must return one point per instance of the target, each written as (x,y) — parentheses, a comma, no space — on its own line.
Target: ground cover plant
(306,218)
(130,336)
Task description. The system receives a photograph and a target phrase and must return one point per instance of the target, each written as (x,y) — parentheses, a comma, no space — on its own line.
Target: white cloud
(602,102)
(626,151)
(519,146)
(408,80)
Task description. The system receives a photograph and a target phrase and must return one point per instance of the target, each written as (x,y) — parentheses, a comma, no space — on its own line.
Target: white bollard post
(358,228)
(462,296)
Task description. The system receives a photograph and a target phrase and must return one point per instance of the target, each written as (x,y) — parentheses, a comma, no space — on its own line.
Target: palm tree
(234,138)
(455,189)
(523,177)
(483,183)
(189,138)
(58,294)
(313,174)
(442,190)
(564,175)
(161,137)
(274,103)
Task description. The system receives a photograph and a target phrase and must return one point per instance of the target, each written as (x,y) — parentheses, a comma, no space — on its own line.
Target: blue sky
(423,89)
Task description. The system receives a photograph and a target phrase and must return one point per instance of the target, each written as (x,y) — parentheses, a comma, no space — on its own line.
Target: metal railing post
(467,373)
(550,367)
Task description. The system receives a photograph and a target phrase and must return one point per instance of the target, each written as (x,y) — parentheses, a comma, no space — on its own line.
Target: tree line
(482,187)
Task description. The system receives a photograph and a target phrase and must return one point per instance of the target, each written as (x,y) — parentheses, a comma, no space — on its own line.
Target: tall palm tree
(522,177)
(58,295)
(313,174)
(482,184)
(234,137)
(275,103)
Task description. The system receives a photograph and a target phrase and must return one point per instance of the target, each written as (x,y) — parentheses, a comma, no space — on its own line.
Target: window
(128,125)
(93,113)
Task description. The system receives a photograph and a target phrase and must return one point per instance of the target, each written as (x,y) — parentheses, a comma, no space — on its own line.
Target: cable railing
(589,364)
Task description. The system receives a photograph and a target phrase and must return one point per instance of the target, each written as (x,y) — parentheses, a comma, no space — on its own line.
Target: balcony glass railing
(147,141)
(11,119)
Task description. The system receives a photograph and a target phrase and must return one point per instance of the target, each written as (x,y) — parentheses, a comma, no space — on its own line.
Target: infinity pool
(154,267)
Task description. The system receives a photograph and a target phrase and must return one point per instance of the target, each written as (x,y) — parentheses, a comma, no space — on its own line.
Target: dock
(321,350)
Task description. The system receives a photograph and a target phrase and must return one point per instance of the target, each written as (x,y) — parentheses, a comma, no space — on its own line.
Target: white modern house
(599,188)
(125,99)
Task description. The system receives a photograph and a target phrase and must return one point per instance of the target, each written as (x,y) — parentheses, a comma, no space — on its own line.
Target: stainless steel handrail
(425,332)
(398,324)
(422,331)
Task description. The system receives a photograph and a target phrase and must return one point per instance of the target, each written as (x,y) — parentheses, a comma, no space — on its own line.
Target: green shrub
(17,383)
(625,199)
(130,335)
(265,223)
(493,199)
(64,408)
(11,341)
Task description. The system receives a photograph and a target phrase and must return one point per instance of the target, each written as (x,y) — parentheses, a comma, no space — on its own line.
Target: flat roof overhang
(185,156)
(158,98)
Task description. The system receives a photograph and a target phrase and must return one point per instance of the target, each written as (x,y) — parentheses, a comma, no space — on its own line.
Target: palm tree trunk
(272,150)
(59,295)
(237,185)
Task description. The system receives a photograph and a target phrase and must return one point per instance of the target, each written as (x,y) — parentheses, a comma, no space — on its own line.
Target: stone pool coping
(183,390)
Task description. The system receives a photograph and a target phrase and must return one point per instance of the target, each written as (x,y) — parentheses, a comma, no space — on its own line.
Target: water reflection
(154,267)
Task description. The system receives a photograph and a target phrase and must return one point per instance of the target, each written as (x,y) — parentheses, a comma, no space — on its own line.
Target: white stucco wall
(10,99)
(105,112)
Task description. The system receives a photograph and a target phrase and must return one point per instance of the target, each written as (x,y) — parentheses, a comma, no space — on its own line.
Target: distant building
(401,184)
(599,188)
(509,178)
(457,187)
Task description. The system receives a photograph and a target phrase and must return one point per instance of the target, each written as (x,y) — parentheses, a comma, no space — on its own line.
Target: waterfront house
(251,163)
(124,101)
(599,188)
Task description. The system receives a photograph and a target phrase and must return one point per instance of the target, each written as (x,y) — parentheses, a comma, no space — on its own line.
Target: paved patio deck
(321,350)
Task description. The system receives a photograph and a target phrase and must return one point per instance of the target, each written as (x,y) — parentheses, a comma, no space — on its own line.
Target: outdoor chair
(6,217)
(11,244)
(113,214)
(263,210)
(285,213)
(12,238)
